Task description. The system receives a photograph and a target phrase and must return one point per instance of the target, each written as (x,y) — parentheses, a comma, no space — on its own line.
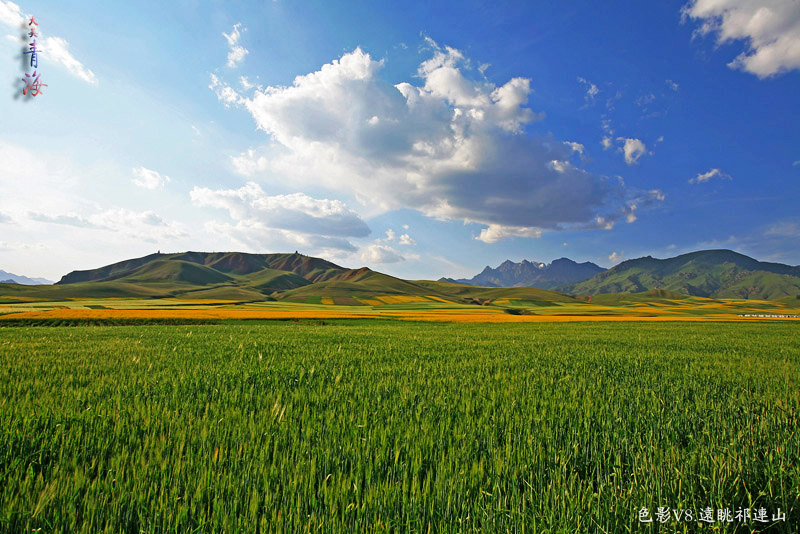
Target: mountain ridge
(531,274)
(259,277)
(245,277)
(20,279)
(717,273)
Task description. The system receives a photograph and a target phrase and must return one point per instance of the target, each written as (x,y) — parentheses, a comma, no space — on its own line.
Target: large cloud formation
(452,147)
(771,29)
(296,219)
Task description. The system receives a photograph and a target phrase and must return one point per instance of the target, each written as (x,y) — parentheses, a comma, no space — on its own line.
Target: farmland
(402,426)
(481,306)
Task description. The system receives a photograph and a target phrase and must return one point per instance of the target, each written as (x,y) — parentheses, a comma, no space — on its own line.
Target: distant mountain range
(299,278)
(706,273)
(10,278)
(532,274)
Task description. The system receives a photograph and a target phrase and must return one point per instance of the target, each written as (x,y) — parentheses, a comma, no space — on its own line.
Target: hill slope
(706,273)
(532,274)
(206,275)
(295,277)
(230,263)
(253,277)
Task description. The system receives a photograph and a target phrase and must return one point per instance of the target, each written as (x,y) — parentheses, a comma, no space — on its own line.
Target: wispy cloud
(591,90)
(706,176)
(11,14)
(294,219)
(142,225)
(381,254)
(225,93)
(55,49)
(236,51)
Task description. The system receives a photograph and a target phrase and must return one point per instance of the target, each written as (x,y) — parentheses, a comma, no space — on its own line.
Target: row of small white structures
(769,315)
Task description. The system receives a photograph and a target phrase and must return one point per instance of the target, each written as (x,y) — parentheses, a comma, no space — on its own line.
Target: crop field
(368,425)
(414,308)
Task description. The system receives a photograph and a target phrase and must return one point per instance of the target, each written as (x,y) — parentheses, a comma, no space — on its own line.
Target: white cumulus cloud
(633,149)
(406,239)
(576,147)
(149,179)
(452,147)
(614,257)
(770,29)
(497,232)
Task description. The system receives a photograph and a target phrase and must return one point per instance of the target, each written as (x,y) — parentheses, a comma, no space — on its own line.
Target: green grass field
(373,426)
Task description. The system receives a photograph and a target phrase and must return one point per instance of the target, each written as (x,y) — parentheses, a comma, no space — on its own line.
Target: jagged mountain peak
(527,273)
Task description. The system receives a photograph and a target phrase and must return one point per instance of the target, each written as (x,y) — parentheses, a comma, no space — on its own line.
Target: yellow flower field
(456,316)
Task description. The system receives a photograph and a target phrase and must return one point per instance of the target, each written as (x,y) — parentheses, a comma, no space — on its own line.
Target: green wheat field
(390,426)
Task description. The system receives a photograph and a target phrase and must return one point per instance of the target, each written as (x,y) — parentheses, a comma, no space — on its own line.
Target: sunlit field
(415,308)
(397,426)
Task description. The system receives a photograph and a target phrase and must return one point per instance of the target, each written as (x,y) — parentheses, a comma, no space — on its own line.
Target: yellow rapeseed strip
(401,299)
(182,314)
(327,300)
(466,316)
(438,299)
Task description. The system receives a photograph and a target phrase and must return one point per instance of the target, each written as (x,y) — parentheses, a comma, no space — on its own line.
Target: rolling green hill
(295,277)
(707,273)
(488,294)
(256,277)
(199,275)
(361,283)
(230,263)
(174,271)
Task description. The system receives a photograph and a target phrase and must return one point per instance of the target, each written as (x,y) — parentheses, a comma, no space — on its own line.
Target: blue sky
(420,140)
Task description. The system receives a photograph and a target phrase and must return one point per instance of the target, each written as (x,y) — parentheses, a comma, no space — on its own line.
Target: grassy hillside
(709,273)
(295,277)
(175,271)
(274,280)
(462,291)
(230,263)
(359,283)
